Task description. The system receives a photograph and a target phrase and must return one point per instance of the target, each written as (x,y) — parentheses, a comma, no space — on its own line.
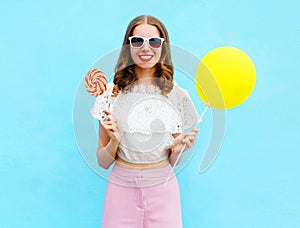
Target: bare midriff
(120,162)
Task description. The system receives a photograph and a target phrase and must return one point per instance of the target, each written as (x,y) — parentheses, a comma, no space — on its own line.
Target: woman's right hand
(112,127)
(185,139)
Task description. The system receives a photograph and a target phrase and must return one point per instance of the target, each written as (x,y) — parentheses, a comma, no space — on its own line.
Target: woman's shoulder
(178,92)
(180,97)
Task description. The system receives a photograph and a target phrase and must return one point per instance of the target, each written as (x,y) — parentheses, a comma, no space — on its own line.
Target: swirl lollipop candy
(95,82)
(96,85)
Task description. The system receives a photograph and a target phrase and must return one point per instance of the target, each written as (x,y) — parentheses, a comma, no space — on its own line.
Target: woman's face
(145,56)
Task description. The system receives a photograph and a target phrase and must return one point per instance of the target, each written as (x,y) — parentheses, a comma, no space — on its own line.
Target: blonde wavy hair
(125,67)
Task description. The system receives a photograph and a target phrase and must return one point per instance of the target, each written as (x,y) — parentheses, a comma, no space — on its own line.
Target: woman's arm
(108,141)
(173,156)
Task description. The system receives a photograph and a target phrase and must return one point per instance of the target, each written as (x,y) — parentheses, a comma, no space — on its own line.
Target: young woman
(142,117)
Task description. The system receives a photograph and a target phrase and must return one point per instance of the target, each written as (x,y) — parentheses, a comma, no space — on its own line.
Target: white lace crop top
(148,119)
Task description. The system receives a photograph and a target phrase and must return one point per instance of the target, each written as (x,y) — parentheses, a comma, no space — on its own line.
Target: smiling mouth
(145,58)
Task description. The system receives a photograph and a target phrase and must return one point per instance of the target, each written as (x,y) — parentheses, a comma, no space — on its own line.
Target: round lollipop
(95,82)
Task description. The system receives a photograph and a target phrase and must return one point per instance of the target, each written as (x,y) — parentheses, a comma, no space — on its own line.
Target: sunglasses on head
(138,41)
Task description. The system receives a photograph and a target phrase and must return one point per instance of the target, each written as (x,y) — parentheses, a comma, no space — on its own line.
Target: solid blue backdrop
(46,49)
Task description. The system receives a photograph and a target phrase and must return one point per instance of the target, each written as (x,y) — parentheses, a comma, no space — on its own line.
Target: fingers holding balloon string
(190,134)
(190,138)
(195,130)
(187,138)
(188,143)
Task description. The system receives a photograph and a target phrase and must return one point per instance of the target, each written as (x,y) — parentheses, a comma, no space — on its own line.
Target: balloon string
(182,149)
(201,117)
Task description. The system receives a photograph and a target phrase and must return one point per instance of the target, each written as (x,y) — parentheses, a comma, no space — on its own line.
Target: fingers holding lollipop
(112,126)
(96,85)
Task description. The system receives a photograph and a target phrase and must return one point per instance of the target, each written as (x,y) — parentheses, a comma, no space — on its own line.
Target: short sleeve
(186,108)
(102,102)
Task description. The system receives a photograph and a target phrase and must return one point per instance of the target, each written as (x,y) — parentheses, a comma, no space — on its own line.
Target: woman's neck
(145,75)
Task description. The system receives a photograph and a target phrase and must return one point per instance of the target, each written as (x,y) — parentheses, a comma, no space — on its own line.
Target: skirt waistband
(139,178)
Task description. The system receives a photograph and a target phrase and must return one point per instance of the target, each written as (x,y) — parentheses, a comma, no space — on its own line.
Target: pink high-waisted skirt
(137,199)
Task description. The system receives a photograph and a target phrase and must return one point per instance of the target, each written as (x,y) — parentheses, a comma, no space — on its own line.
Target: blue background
(46,49)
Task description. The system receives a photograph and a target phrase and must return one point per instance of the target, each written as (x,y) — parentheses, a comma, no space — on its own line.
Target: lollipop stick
(182,149)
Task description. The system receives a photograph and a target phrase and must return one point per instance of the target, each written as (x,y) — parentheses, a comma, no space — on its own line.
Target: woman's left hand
(186,138)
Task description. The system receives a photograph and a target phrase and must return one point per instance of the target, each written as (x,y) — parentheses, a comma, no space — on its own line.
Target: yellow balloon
(225,77)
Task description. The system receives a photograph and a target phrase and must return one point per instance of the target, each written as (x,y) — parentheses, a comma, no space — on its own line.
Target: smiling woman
(129,61)
(146,114)
(144,55)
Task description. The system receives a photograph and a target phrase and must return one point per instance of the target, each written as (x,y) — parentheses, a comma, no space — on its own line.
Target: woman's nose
(146,46)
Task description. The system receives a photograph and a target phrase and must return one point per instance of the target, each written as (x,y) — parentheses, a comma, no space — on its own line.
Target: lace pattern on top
(102,102)
(182,100)
(146,113)
(148,119)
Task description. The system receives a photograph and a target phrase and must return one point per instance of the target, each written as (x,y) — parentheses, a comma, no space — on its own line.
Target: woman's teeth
(145,57)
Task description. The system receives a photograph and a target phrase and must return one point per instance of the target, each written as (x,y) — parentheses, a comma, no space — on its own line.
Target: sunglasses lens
(155,42)
(137,41)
